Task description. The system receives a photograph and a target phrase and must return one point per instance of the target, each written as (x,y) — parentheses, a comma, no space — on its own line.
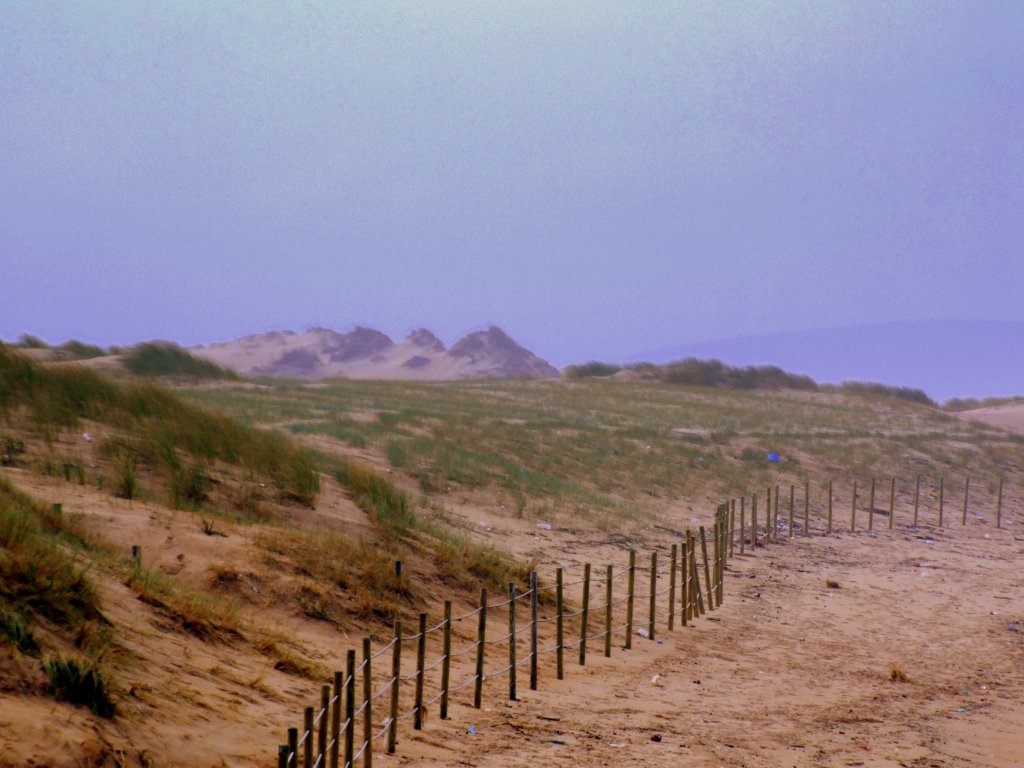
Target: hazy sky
(597,178)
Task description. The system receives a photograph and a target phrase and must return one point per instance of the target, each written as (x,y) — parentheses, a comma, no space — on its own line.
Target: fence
(327,736)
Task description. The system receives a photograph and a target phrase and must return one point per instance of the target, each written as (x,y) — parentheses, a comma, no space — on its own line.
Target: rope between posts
(527,593)
(572,583)
(602,633)
(385,689)
(463,652)
(525,627)
(385,649)
(572,644)
(409,714)
(502,604)
(552,649)
(319,759)
(460,686)
(525,659)
(472,613)
(303,739)
(573,614)
(497,640)
(360,710)
(548,620)
(318,717)
(620,601)
(383,730)
(435,665)
(496,673)
(433,700)
(359,669)
(663,592)
(357,755)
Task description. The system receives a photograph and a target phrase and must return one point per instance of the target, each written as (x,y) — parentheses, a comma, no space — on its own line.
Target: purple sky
(599,179)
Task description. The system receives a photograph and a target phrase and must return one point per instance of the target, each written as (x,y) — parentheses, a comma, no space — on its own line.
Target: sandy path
(790,672)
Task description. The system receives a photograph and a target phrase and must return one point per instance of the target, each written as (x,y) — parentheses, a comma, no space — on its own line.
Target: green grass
(165,359)
(606,448)
(80,682)
(160,427)
(40,576)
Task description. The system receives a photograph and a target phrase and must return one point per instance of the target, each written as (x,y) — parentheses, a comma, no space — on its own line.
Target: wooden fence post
(293,748)
(695,576)
(421,661)
(367,705)
(585,615)
(511,641)
(350,706)
(830,506)
(608,611)
(481,634)
(630,584)
(732,529)
(396,678)
(684,583)
(559,625)
(720,565)
(652,608)
(707,571)
(807,508)
(672,587)
(942,497)
(967,493)
(775,519)
(792,495)
(325,711)
(853,509)
(446,661)
(534,599)
(743,522)
(999,505)
(716,552)
(871,507)
(339,698)
(917,497)
(753,523)
(282,756)
(892,502)
(310,734)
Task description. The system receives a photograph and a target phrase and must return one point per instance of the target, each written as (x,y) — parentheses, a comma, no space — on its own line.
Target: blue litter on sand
(773,457)
(472,729)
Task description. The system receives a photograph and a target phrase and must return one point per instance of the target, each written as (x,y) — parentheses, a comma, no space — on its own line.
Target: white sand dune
(364,353)
(1009,417)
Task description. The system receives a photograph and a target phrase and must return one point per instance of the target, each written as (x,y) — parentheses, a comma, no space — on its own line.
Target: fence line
(327,736)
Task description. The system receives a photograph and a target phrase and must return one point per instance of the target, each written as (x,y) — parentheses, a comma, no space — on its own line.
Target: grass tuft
(79,682)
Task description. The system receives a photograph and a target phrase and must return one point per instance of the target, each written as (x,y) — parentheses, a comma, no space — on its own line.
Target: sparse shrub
(397,454)
(127,480)
(897,675)
(168,359)
(10,449)
(386,505)
(79,682)
(590,370)
(74,349)
(189,487)
(14,628)
(28,341)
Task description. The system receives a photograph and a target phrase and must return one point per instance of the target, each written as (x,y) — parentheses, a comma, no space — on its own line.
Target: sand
(791,672)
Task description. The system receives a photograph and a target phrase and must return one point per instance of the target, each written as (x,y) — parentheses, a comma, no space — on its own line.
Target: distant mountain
(364,353)
(945,358)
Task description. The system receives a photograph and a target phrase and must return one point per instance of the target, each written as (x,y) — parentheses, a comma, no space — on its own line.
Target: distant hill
(945,358)
(365,353)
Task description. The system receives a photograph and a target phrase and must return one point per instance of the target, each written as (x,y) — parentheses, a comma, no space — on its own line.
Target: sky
(598,179)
